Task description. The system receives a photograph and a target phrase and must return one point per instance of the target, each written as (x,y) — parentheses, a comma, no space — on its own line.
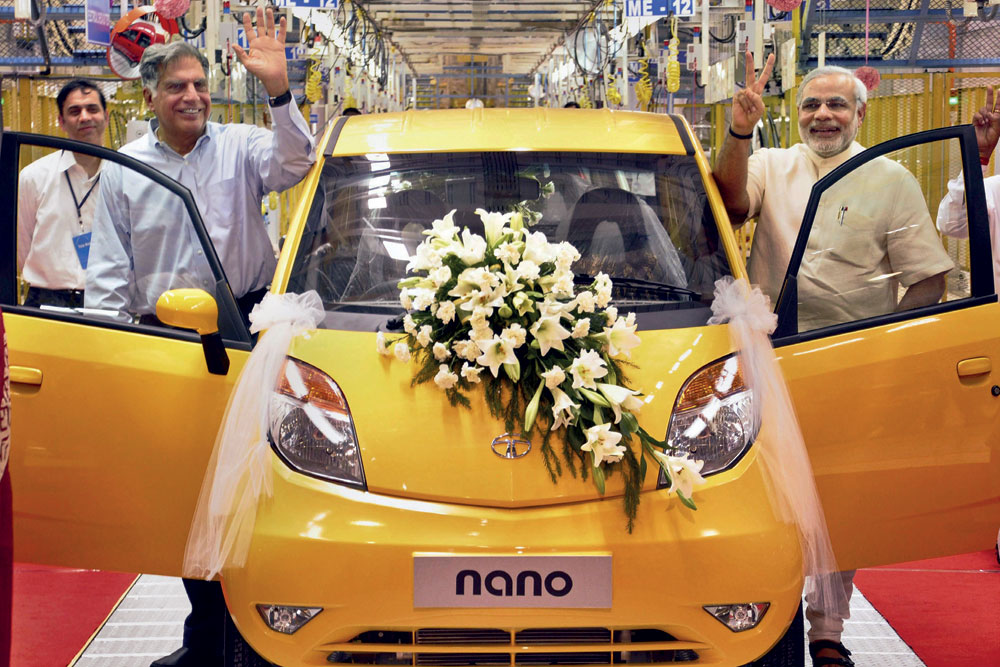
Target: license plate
(571,582)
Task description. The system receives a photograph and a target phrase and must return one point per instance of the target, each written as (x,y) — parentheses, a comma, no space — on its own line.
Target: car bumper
(352,553)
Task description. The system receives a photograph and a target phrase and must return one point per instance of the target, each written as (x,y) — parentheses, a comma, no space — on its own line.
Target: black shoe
(185,657)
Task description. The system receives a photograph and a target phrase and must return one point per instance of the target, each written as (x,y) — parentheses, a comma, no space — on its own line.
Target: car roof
(534,129)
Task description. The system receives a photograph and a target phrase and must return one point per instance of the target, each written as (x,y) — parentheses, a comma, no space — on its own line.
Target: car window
(642,219)
(873,249)
(102,242)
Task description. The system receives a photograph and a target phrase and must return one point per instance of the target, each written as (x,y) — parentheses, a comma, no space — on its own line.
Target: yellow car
(421,533)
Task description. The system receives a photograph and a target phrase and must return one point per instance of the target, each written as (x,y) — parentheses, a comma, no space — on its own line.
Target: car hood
(415,444)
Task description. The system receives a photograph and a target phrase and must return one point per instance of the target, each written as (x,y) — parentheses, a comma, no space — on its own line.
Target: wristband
(740,136)
(281,100)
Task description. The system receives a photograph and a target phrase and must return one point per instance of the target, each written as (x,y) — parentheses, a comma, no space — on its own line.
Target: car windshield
(642,219)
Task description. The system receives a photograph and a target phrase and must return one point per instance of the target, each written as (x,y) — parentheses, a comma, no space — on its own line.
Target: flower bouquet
(504,311)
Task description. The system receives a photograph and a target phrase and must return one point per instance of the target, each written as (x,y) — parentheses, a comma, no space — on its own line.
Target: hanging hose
(673,78)
(643,87)
(314,81)
(612,93)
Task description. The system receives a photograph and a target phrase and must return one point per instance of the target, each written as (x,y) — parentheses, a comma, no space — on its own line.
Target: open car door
(900,409)
(113,421)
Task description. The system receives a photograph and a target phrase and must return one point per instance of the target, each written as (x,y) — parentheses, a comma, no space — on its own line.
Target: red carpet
(946,609)
(56,611)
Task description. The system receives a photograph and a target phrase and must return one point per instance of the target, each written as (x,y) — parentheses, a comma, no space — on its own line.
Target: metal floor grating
(149,621)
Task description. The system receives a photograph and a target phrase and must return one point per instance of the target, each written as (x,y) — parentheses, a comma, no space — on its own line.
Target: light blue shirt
(144,242)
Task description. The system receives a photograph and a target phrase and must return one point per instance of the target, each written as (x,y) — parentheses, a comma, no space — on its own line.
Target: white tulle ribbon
(239,472)
(782,450)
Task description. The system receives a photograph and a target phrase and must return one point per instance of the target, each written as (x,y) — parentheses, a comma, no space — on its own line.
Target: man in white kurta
(872,233)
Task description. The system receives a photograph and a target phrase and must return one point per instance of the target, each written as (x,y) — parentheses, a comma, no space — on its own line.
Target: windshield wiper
(638,284)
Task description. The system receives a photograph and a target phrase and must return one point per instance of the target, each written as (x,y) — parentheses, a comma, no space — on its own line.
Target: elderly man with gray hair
(889,234)
(143,243)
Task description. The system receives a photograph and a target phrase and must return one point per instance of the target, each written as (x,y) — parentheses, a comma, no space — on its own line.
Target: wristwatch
(281,100)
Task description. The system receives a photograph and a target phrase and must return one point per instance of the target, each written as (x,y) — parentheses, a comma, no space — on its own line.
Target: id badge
(82,245)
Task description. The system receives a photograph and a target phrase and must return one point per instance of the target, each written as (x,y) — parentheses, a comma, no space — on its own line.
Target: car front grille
(531,647)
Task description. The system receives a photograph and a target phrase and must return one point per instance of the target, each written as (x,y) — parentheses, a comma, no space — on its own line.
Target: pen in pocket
(843,212)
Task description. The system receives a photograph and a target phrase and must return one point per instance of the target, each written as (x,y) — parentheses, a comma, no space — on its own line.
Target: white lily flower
(381,345)
(602,442)
(440,276)
(473,248)
(581,329)
(493,223)
(402,352)
(424,336)
(445,378)
(617,397)
(584,302)
(446,311)
(611,313)
(441,351)
(684,472)
(549,333)
(405,301)
(516,334)
(587,368)
(537,248)
(496,352)
(466,349)
(427,258)
(621,337)
(471,373)
(563,408)
(554,377)
(445,227)
(409,325)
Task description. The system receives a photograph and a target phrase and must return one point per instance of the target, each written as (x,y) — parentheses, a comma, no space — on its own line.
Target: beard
(834,145)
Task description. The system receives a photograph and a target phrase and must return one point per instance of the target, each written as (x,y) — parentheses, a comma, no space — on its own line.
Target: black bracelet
(280,100)
(740,136)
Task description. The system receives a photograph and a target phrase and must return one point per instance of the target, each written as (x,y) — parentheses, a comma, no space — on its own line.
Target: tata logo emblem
(511,445)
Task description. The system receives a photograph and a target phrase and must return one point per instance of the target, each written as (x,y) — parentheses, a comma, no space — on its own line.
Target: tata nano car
(392,539)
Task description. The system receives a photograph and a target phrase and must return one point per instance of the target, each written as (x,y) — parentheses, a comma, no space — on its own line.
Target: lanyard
(79,204)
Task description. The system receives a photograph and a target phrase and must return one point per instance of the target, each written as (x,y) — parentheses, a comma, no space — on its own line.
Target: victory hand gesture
(748,107)
(987,124)
(265,57)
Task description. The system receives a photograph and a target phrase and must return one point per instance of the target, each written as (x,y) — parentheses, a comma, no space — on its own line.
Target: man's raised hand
(987,124)
(748,106)
(265,57)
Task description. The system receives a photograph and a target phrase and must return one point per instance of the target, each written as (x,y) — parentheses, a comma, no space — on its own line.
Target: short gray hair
(157,57)
(860,90)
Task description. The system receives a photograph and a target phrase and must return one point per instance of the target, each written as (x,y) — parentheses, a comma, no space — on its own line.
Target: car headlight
(713,417)
(311,426)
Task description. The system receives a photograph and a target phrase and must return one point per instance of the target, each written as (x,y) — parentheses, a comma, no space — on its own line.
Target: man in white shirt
(952,217)
(871,225)
(144,242)
(56,197)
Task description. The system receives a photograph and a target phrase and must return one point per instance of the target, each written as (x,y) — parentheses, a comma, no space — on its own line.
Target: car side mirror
(195,309)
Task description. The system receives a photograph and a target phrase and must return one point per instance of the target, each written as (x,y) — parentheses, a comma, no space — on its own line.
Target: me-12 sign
(636,8)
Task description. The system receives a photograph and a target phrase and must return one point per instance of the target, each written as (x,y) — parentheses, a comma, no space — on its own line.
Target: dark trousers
(64,298)
(6,567)
(204,627)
